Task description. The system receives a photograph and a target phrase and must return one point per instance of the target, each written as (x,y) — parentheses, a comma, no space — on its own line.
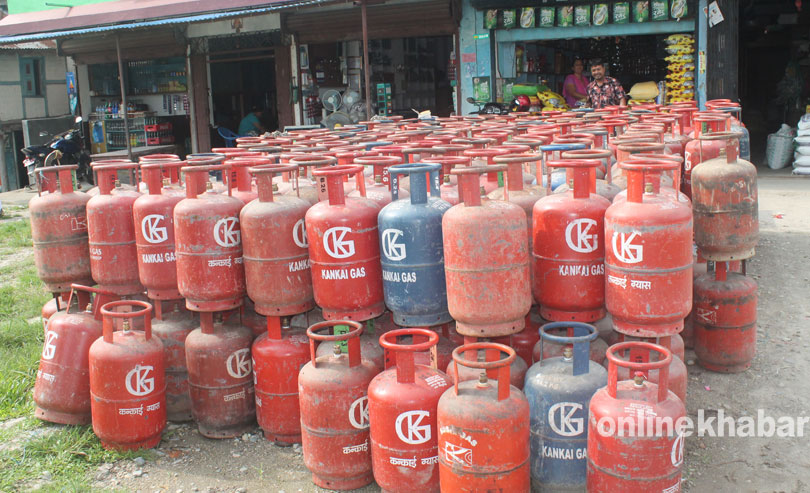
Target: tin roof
(129,14)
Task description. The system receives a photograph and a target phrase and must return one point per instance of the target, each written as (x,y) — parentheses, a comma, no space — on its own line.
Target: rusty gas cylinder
(278,356)
(569,249)
(127,380)
(484,428)
(210,273)
(486,259)
(652,461)
(648,258)
(333,397)
(402,404)
(172,328)
(220,377)
(275,247)
(725,320)
(725,203)
(111,231)
(59,230)
(62,386)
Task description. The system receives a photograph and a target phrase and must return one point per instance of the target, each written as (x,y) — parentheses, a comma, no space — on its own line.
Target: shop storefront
(504,43)
(411,58)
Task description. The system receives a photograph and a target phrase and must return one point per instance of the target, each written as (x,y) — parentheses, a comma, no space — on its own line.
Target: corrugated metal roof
(157,22)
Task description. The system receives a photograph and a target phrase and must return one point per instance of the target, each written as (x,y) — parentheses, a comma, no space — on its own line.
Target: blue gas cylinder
(412,250)
(559,390)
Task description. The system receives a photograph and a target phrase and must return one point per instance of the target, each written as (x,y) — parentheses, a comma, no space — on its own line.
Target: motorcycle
(520,103)
(64,148)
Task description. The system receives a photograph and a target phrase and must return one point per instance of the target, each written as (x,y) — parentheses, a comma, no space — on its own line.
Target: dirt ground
(776,383)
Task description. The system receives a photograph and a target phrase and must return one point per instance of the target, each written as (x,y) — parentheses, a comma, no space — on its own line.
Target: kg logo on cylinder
(227,233)
(138,382)
(238,363)
(151,229)
(391,249)
(562,421)
(336,244)
(413,427)
(581,235)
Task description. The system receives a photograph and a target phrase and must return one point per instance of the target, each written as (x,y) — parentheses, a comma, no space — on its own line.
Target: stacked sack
(801,155)
(681,77)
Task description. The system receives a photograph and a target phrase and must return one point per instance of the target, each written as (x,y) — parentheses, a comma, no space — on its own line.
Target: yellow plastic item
(644,90)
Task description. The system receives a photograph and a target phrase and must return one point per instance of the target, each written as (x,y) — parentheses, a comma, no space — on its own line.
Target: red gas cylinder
(380,189)
(569,267)
(484,428)
(449,188)
(220,377)
(623,153)
(604,187)
(59,230)
(725,320)
(153,216)
(62,387)
(278,355)
(111,231)
(648,258)
(172,328)
(332,392)
(277,272)
(724,191)
(402,405)
(697,151)
(653,461)
(486,261)
(127,380)
(523,342)
(210,274)
(344,250)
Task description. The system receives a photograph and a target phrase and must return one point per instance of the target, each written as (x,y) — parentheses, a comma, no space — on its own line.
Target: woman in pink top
(575,88)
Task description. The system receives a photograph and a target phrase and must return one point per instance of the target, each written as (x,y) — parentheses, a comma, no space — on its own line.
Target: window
(31,76)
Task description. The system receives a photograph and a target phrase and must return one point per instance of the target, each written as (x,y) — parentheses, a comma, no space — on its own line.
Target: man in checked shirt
(603,90)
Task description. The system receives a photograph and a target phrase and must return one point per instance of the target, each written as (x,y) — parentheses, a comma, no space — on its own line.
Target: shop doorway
(243,75)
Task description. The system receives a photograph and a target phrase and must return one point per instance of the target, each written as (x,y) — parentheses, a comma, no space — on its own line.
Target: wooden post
(123,95)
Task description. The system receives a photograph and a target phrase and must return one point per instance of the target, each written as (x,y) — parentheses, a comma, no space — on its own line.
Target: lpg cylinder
(484,157)
(649,461)
(278,356)
(62,386)
(484,428)
(648,258)
(59,230)
(332,392)
(697,151)
(724,194)
(127,380)
(111,233)
(220,377)
(448,189)
(275,248)
(725,320)
(210,274)
(344,250)
(402,404)
(242,187)
(411,245)
(558,390)
(307,187)
(172,328)
(569,248)
(153,216)
(486,260)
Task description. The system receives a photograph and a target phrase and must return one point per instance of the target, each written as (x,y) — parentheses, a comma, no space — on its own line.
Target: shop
(504,43)
(411,60)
